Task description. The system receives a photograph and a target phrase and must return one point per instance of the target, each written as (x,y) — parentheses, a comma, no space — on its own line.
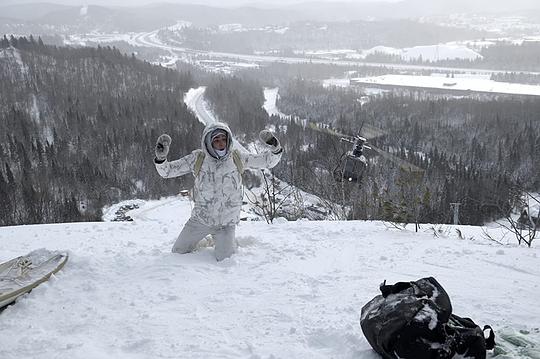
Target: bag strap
(238,161)
(200,159)
(198,164)
(490,340)
(387,289)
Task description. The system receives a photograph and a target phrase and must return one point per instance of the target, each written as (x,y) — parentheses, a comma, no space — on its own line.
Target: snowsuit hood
(206,139)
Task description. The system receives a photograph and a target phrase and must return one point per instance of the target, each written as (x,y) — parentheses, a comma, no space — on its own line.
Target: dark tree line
(524,56)
(300,36)
(516,77)
(78,128)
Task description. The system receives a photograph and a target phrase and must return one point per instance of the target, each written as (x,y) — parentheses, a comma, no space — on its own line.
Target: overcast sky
(220,3)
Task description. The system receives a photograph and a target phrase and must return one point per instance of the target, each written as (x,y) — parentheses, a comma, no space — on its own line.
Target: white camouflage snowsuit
(217,192)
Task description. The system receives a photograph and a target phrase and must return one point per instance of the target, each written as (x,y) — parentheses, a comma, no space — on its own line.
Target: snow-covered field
(293,289)
(426,53)
(84,39)
(464,84)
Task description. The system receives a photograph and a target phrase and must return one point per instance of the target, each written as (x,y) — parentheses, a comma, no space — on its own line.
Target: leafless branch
(490,237)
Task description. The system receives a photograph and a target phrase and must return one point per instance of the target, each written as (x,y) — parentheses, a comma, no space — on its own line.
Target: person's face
(219,142)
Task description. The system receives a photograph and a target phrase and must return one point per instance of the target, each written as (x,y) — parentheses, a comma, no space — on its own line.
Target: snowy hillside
(293,290)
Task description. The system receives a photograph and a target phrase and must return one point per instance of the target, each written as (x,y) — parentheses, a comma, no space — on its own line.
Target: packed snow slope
(293,290)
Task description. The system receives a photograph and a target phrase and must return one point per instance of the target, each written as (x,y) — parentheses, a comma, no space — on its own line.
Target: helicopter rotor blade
(369,132)
(406,165)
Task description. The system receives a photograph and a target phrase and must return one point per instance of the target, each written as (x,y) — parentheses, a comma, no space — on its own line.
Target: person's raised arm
(266,159)
(175,168)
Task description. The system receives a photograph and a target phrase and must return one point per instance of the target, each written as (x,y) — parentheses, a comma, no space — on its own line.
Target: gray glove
(271,140)
(162,147)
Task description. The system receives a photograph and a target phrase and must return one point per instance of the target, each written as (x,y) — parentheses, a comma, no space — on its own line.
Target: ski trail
(513,268)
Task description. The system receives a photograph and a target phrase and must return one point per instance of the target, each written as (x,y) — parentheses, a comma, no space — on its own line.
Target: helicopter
(353,164)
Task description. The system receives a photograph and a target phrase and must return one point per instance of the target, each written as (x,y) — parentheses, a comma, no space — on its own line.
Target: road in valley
(194,100)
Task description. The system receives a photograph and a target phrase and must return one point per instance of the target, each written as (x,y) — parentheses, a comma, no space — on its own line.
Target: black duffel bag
(414,320)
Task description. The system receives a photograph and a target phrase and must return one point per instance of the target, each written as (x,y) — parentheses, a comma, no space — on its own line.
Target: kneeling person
(217,192)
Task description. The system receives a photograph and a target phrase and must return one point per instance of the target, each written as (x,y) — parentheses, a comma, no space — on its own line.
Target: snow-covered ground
(337,82)
(12,54)
(439,52)
(293,289)
(426,53)
(464,84)
(83,39)
(346,82)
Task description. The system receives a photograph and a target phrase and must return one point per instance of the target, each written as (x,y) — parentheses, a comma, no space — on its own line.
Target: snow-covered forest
(87,126)
(479,151)
(78,128)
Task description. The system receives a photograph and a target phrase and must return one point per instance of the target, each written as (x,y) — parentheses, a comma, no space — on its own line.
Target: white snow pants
(194,231)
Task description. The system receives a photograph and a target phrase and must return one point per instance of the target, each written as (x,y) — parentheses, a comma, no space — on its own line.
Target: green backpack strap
(200,159)
(238,161)
(198,163)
